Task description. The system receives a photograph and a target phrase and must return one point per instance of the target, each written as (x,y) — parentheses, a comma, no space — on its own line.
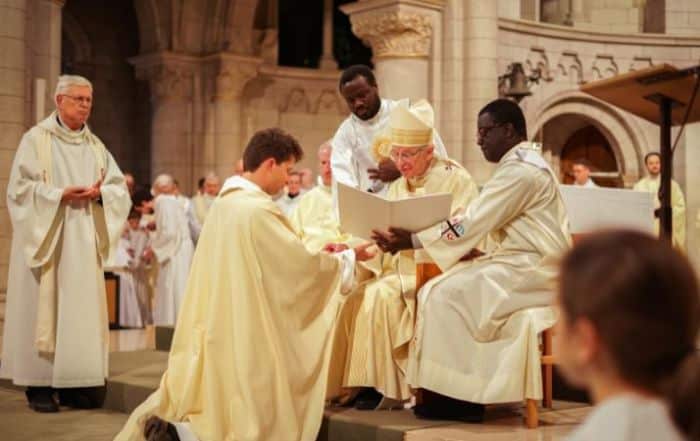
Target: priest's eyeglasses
(80,99)
(404,155)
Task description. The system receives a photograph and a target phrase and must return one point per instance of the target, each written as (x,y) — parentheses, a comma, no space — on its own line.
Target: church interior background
(180,85)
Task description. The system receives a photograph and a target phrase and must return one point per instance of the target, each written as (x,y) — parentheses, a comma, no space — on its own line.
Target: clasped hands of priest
(78,193)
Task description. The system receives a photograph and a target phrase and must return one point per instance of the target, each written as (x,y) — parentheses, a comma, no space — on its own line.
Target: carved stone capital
(170,76)
(395,34)
(229,74)
(394,28)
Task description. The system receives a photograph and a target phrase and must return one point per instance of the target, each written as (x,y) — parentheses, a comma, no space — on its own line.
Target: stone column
(47,48)
(13,98)
(480,46)
(401,35)
(172,82)
(227,76)
(327,60)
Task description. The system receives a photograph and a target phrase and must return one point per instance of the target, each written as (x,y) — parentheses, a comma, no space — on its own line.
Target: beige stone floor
(19,423)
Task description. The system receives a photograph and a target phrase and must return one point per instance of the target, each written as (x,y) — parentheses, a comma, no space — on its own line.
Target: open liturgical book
(362,212)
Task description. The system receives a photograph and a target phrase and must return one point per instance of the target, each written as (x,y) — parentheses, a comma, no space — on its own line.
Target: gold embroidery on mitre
(411,138)
(381,148)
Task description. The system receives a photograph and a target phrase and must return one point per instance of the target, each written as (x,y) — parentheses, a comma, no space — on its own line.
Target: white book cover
(361,212)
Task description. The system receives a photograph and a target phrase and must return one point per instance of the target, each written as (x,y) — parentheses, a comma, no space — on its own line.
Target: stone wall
(683,17)
(304,102)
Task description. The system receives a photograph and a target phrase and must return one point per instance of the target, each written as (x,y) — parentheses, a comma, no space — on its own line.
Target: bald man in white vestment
(68,203)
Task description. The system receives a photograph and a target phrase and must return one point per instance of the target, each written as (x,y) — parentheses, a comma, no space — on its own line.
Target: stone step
(134,375)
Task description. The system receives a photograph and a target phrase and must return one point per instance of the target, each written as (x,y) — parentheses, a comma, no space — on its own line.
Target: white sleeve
(193,223)
(342,156)
(347,270)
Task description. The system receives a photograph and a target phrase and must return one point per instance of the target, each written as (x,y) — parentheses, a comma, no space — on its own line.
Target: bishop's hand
(385,172)
(364,252)
(394,240)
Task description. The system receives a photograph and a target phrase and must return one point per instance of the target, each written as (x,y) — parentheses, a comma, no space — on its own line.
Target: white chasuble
(379,317)
(651,185)
(250,352)
(476,336)
(56,331)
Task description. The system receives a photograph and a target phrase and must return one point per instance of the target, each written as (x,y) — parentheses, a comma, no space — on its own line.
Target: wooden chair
(426,271)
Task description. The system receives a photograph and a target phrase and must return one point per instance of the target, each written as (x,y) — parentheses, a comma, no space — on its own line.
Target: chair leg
(531,419)
(547,377)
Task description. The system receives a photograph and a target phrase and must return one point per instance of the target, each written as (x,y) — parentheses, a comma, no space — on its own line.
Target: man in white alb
(67,202)
(352,160)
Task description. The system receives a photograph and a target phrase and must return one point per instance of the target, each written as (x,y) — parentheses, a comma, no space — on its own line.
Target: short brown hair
(582,161)
(642,297)
(270,143)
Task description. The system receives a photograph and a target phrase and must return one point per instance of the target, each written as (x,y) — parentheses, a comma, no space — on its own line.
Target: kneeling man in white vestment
(68,203)
(476,336)
(250,352)
(379,317)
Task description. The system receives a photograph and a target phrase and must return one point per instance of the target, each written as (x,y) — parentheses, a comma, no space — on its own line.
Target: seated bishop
(476,338)
(378,319)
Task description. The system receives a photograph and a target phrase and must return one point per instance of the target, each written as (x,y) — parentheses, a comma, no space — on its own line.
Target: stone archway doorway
(590,144)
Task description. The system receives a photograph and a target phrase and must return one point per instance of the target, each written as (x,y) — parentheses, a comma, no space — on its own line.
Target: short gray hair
(66,81)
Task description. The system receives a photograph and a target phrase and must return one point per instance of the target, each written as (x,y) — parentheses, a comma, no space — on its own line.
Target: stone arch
(622,133)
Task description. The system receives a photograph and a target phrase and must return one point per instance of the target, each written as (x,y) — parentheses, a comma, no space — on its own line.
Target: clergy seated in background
(172,248)
(379,317)
(314,218)
(651,184)
(200,204)
(290,199)
(67,203)
(352,160)
(307,179)
(250,352)
(134,297)
(476,338)
(581,169)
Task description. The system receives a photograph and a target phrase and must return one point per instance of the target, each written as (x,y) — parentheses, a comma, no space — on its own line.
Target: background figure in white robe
(307,179)
(581,169)
(134,296)
(172,247)
(67,202)
(651,184)
(314,218)
(352,160)
(477,324)
(289,200)
(627,332)
(200,204)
